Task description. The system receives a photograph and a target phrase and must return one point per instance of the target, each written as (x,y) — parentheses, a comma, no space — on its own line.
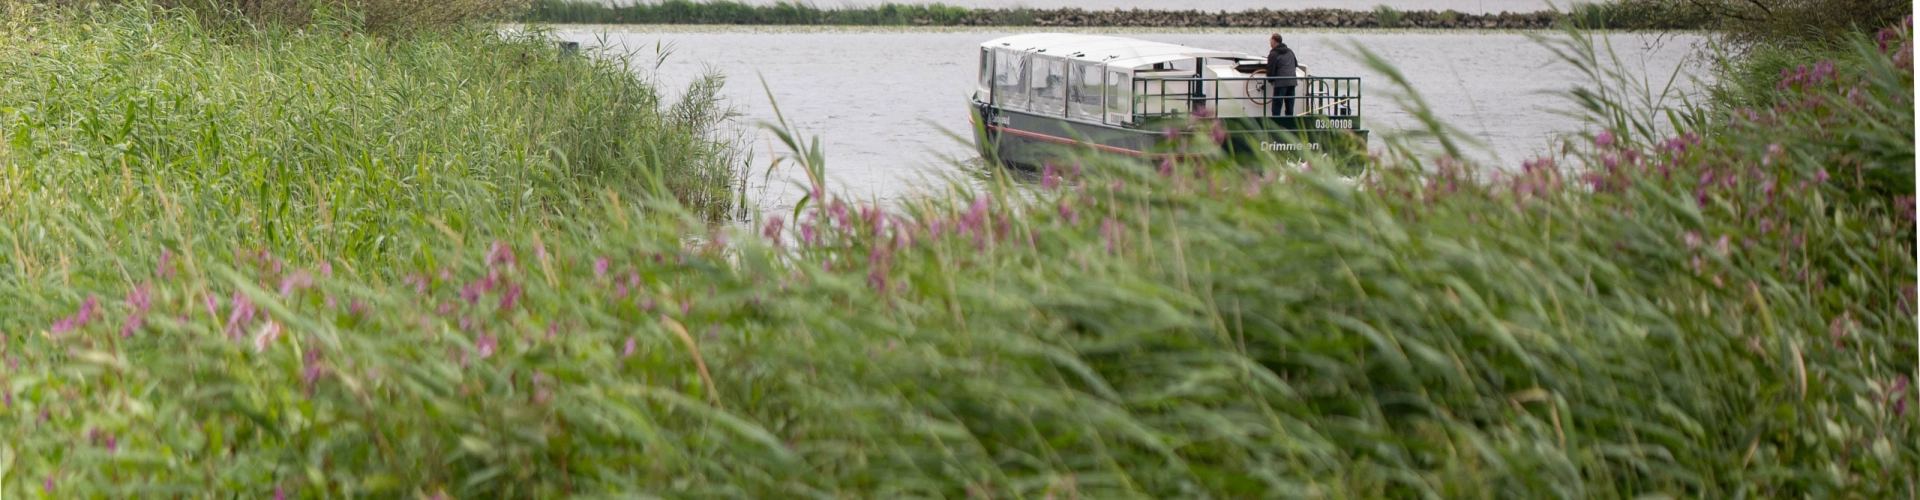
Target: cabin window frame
(1010,91)
(1118,92)
(1078,96)
(984,85)
(1048,84)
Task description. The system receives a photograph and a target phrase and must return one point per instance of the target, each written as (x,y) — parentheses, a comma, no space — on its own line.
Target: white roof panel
(1111,51)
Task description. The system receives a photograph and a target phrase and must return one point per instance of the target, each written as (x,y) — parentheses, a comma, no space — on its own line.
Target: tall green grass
(1684,306)
(125,127)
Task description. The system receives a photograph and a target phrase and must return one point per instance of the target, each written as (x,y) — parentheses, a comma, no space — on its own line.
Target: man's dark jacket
(1280,62)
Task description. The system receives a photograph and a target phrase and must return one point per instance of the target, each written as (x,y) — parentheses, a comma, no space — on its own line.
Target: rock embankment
(1309,18)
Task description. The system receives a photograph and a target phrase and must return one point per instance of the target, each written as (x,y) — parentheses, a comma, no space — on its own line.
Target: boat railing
(1320,96)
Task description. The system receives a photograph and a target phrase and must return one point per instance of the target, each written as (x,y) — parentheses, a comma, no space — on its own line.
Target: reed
(140,126)
(1705,306)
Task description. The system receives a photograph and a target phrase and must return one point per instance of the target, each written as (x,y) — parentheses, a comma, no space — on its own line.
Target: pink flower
(772,229)
(486,345)
(268,334)
(140,300)
(88,310)
(599,268)
(627,350)
(510,297)
(165,268)
(1604,139)
(1048,178)
(501,254)
(299,280)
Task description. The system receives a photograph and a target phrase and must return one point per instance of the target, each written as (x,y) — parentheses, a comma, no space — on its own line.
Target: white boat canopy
(1112,52)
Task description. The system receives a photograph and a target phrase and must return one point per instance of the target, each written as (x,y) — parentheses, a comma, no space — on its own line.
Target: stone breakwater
(1309,18)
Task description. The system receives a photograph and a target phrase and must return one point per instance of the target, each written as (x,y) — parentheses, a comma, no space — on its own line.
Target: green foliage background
(321,264)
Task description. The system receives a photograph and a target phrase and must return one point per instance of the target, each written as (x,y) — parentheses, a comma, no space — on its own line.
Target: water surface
(882,99)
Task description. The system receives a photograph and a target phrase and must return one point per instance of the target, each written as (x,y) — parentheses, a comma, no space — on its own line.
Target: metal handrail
(1318,93)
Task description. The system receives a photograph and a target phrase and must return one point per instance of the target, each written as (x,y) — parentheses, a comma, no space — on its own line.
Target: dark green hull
(1026,139)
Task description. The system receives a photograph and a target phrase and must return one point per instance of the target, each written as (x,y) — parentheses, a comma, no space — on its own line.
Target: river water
(1466,6)
(883,100)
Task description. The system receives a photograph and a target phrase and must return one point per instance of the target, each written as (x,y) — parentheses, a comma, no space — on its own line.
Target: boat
(1041,96)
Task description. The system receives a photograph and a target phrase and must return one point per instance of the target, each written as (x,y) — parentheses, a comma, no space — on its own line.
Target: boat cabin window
(1049,85)
(1085,91)
(1119,100)
(1177,66)
(986,71)
(1009,79)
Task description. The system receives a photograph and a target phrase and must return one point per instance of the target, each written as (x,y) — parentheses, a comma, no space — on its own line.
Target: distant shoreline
(806,29)
(726,12)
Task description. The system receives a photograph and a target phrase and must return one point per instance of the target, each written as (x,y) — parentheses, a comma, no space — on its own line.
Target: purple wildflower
(976,215)
(501,254)
(1166,169)
(510,297)
(313,368)
(1605,138)
(165,268)
(486,345)
(268,334)
(838,213)
(471,293)
(599,267)
(878,278)
(140,300)
(1048,178)
(298,280)
(88,310)
(773,228)
(626,351)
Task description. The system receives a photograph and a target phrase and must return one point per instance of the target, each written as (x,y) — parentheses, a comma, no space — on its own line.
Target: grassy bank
(1726,311)
(1605,15)
(126,128)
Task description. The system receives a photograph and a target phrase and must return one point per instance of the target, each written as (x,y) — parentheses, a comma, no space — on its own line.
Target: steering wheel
(1258,88)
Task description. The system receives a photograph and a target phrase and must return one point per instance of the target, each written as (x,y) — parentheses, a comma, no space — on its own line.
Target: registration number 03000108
(1333,123)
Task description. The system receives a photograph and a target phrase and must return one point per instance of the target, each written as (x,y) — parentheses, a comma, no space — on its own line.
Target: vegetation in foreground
(1722,311)
(126,127)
